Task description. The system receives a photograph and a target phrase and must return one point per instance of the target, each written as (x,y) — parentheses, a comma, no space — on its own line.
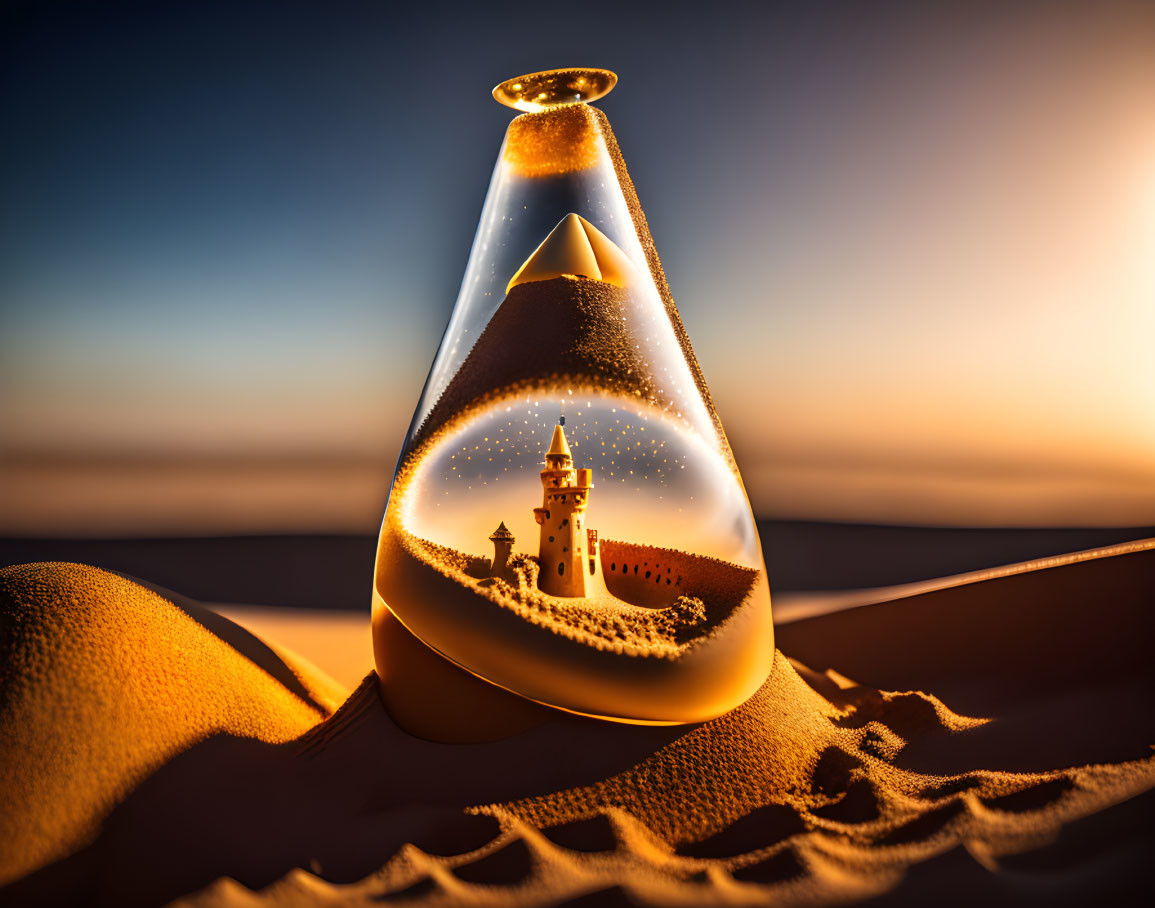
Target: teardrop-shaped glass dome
(566,520)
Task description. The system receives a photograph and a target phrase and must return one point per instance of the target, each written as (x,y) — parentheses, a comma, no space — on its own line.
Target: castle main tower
(568,552)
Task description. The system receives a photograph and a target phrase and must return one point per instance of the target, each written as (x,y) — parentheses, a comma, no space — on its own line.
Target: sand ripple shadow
(510,864)
(761,828)
(595,833)
(817,790)
(609,897)
(778,868)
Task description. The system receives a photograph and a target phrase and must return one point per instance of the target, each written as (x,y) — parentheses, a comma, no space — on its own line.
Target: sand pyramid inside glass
(567,521)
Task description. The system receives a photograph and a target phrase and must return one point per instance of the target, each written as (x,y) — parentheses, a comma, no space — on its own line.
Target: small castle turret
(503,541)
(567,552)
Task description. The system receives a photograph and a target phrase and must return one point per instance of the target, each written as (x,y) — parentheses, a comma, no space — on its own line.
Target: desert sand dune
(103,681)
(993,747)
(1057,650)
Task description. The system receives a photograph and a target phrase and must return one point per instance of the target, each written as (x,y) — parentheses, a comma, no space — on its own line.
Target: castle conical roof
(502,534)
(558,446)
(575,247)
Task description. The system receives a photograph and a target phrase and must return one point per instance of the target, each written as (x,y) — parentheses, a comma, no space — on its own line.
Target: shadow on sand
(339,801)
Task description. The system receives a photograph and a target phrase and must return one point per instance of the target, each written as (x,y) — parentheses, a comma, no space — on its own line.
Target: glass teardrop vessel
(566,520)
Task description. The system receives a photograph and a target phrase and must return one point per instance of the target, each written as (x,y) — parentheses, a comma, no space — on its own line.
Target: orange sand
(103,681)
(1010,763)
(569,138)
(553,142)
(339,644)
(630,619)
(561,140)
(607,658)
(573,330)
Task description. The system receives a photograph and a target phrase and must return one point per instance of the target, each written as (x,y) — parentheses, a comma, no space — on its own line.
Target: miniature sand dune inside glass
(567,521)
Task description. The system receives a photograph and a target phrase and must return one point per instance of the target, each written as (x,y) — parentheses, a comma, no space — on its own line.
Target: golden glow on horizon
(943,317)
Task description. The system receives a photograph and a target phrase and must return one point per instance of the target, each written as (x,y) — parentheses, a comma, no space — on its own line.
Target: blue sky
(904,240)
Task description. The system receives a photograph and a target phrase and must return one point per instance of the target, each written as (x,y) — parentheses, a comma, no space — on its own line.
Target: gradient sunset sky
(913,243)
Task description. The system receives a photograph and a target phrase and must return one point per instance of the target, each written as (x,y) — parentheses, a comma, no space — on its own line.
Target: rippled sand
(978,742)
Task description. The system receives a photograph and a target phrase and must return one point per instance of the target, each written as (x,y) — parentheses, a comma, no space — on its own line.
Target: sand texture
(570,138)
(692,661)
(624,622)
(984,743)
(103,681)
(574,330)
(556,141)
(551,142)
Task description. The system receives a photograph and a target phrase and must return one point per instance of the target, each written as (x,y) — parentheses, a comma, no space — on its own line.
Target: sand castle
(503,541)
(616,629)
(564,542)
